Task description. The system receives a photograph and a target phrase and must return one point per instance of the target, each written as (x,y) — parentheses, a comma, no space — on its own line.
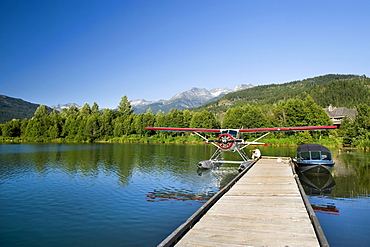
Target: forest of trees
(335,90)
(89,123)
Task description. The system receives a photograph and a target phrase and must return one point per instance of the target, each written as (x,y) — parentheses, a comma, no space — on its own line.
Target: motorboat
(313,158)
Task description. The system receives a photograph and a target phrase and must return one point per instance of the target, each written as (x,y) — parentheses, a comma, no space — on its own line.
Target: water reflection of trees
(88,161)
(120,161)
(352,173)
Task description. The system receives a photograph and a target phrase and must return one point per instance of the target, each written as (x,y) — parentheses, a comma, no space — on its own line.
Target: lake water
(137,194)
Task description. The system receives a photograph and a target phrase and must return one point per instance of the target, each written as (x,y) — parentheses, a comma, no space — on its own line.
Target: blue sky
(86,51)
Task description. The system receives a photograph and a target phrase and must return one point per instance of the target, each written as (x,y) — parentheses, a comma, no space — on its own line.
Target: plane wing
(183,129)
(289,128)
(244,130)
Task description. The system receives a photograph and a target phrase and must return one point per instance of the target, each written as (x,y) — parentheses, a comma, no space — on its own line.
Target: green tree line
(336,90)
(89,123)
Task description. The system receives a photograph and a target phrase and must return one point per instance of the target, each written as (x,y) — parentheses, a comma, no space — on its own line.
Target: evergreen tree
(56,125)
(118,129)
(124,107)
(85,110)
(95,109)
(106,123)
(41,112)
(73,110)
(82,134)
(128,124)
(139,124)
(92,127)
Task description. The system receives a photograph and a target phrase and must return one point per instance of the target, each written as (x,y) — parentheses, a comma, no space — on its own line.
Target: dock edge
(176,235)
(311,213)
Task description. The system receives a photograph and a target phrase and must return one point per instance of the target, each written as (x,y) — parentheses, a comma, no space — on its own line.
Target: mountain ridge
(325,90)
(190,98)
(15,108)
(59,107)
(331,89)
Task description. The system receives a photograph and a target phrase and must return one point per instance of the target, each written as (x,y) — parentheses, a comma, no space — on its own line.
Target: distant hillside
(12,108)
(335,90)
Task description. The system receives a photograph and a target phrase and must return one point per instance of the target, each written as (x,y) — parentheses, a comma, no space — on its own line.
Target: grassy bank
(189,139)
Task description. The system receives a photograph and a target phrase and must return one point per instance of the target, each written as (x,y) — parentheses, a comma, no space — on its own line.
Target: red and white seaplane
(229,140)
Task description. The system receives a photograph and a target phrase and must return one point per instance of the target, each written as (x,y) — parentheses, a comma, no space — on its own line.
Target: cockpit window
(233,133)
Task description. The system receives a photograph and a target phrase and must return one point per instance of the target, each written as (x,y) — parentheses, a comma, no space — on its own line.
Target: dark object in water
(245,165)
(313,158)
(205,164)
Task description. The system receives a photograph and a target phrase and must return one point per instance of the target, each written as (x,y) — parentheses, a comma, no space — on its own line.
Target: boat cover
(312,147)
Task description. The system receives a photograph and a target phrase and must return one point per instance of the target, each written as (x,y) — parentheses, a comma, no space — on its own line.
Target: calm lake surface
(137,194)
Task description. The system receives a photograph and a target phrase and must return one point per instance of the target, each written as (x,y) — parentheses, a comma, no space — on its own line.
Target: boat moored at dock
(313,158)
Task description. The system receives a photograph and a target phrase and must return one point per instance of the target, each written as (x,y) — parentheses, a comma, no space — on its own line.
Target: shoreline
(22,141)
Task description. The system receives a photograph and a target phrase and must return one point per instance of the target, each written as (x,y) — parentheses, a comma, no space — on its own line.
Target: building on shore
(337,114)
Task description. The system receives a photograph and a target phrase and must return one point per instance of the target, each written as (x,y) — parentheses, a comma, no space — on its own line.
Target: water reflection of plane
(222,175)
(219,178)
(319,184)
(174,195)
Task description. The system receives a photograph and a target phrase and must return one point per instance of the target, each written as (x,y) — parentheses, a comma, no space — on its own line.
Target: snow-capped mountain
(191,98)
(59,107)
(144,102)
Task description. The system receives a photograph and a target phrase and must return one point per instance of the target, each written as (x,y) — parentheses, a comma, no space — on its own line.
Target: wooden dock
(263,208)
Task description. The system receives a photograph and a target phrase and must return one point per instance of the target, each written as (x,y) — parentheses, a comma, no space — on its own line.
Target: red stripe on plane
(289,128)
(246,130)
(182,129)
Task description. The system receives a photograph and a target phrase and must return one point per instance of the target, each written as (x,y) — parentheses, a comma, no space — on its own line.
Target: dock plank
(264,208)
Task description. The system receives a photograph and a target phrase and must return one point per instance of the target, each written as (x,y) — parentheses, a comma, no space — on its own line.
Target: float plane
(230,140)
